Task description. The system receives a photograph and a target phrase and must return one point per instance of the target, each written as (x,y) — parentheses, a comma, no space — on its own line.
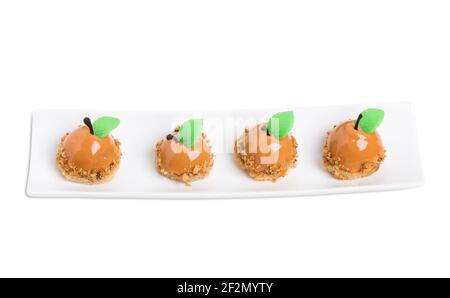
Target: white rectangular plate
(140,130)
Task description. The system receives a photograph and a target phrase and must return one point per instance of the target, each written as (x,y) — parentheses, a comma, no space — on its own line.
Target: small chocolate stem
(172,137)
(357,121)
(88,123)
(264,128)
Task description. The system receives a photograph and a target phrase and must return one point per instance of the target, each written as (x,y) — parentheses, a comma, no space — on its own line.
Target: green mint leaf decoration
(281,124)
(104,125)
(190,131)
(370,119)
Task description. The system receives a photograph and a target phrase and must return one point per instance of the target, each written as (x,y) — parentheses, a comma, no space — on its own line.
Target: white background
(224,54)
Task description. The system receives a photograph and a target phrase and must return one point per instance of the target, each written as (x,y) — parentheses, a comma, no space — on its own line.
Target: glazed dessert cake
(185,154)
(354,149)
(89,154)
(267,151)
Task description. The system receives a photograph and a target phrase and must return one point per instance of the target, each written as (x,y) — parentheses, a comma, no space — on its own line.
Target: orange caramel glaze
(266,149)
(88,152)
(178,159)
(354,147)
